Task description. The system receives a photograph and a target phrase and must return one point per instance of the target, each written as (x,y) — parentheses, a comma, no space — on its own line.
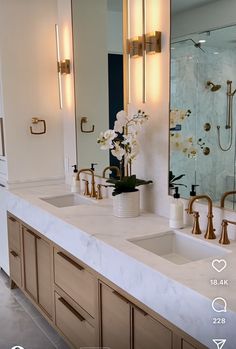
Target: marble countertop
(180,293)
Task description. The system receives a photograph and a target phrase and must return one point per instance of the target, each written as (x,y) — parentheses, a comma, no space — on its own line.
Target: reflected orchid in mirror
(122,141)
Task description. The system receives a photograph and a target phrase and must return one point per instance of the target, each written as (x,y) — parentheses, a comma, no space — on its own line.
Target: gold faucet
(115,168)
(93,190)
(223,197)
(209,230)
(224,240)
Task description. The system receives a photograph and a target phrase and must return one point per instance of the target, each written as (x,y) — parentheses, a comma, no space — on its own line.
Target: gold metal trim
(64,67)
(153,42)
(223,197)
(36,121)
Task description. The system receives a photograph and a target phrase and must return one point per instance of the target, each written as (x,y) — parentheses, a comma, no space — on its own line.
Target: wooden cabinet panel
(14,233)
(115,319)
(15,267)
(44,275)
(79,284)
(186,345)
(149,333)
(30,267)
(73,325)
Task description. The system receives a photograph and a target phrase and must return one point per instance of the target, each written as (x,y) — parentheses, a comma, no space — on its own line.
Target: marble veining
(181,294)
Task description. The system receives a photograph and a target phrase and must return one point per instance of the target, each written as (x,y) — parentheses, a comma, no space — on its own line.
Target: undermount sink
(179,248)
(68,200)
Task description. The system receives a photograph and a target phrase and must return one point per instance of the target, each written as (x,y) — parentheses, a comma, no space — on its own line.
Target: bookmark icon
(219,342)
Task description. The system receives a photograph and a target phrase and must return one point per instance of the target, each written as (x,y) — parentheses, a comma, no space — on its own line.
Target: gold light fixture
(63,66)
(135,47)
(153,42)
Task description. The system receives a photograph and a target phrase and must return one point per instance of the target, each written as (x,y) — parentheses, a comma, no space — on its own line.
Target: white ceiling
(184,5)
(115,5)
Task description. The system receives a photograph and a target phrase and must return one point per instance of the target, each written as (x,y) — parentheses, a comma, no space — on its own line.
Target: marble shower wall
(191,68)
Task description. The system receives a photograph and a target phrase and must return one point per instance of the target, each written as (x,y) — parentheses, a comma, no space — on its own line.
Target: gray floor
(21,324)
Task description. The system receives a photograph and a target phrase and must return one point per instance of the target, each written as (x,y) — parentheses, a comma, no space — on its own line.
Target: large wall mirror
(203,98)
(98,67)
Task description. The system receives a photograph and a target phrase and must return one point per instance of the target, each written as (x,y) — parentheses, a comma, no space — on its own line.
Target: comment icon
(219,305)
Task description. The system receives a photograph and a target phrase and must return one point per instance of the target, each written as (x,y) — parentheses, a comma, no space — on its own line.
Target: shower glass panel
(201,67)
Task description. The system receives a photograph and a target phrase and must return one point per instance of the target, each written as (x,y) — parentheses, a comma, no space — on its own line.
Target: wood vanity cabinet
(15,251)
(126,326)
(37,271)
(82,305)
(115,319)
(148,332)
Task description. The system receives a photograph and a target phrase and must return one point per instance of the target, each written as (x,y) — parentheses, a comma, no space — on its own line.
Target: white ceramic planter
(126,205)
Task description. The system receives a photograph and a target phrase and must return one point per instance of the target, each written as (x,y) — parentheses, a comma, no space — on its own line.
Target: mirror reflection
(98,67)
(202,104)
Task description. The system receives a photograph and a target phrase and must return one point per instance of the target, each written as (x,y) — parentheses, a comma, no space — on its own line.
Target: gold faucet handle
(224,239)
(99,191)
(86,189)
(196,227)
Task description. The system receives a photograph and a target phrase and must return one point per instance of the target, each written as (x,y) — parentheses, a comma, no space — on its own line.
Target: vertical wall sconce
(63,66)
(153,43)
(146,44)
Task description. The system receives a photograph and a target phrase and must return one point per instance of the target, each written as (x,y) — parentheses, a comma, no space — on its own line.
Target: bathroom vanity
(94,281)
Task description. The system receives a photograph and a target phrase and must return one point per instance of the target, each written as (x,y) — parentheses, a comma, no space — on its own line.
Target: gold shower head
(214,87)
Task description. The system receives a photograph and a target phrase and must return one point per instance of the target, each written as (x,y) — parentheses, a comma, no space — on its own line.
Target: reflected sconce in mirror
(141,45)
(153,42)
(36,121)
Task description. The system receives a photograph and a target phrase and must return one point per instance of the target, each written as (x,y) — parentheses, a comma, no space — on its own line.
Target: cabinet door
(30,267)
(44,275)
(15,267)
(149,333)
(186,345)
(115,319)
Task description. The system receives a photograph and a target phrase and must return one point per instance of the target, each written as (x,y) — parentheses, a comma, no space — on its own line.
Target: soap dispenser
(176,211)
(193,190)
(75,183)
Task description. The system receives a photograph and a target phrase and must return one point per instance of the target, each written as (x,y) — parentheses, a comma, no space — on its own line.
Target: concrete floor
(21,324)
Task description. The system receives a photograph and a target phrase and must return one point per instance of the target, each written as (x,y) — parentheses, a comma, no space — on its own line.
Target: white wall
(29,81)
(214,15)
(115,32)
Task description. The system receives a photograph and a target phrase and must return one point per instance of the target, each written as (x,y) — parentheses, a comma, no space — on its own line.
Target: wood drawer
(73,325)
(14,234)
(15,267)
(73,279)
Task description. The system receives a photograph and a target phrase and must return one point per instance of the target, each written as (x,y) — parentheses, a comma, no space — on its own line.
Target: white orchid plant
(123,143)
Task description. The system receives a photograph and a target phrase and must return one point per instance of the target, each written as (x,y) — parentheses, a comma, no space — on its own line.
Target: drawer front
(15,267)
(73,279)
(73,325)
(14,234)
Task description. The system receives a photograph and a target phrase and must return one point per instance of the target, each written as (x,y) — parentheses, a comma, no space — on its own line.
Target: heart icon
(219,264)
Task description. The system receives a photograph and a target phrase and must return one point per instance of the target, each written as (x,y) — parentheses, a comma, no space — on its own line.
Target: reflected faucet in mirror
(93,193)
(210,235)
(223,197)
(112,168)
